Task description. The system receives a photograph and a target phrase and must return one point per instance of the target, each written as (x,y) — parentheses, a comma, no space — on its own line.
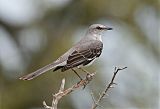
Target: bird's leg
(88,74)
(84,70)
(77,74)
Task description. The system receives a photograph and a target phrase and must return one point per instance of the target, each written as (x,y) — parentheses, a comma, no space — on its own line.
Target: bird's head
(98,28)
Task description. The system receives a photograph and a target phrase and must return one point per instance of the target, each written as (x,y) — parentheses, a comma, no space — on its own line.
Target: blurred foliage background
(34,33)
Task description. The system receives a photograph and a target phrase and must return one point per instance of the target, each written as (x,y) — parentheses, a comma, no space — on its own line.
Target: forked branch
(62,92)
(110,85)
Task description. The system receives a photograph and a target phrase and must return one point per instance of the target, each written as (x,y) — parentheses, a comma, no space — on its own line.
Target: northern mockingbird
(81,54)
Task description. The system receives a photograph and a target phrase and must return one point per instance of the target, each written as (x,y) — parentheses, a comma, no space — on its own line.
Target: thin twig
(110,85)
(62,92)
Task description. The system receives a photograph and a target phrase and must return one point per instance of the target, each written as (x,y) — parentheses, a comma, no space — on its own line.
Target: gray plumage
(81,54)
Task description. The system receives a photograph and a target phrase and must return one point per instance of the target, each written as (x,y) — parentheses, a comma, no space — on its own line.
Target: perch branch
(110,85)
(61,93)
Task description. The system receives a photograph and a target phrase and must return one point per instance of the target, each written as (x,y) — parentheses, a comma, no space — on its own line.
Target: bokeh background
(34,33)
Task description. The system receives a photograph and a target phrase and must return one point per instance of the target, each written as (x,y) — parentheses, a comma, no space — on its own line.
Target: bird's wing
(84,55)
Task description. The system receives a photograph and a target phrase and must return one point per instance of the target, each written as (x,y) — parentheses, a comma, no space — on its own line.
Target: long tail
(38,72)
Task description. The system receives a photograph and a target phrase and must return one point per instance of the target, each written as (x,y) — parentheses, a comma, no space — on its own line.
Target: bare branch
(110,85)
(61,93)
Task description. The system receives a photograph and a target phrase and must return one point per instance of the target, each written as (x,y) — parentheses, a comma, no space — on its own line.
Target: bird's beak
(108,28)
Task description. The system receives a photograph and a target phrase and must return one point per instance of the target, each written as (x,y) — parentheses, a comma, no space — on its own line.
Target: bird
(83,53)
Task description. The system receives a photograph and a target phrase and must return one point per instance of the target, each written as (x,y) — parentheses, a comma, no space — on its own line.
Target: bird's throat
(97,37)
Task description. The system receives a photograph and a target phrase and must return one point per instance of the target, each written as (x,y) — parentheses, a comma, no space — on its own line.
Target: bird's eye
(99,28)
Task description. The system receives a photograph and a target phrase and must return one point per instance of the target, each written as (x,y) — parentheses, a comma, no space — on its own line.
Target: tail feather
(38,72)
